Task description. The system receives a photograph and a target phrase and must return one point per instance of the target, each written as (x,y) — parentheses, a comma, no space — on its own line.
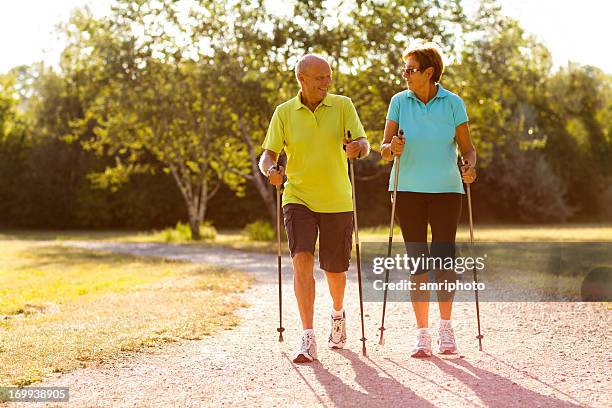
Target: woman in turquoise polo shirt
(434,122)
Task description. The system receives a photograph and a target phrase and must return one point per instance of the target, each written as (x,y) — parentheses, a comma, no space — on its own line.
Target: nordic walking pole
(381,341)
(363,339)
(469,198)
(280,329)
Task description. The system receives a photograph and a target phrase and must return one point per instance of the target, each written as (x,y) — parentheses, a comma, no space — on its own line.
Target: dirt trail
(536,354)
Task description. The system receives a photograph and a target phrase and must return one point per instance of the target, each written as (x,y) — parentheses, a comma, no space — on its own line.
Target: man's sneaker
(337,337)
(307,352)
(447,339)
(422,348)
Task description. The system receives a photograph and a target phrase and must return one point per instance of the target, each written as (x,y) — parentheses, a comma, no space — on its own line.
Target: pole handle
(346,139)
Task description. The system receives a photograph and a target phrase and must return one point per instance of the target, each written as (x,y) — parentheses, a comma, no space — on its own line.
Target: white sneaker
(447,344)
(422,348)
(307,352)
(337,337)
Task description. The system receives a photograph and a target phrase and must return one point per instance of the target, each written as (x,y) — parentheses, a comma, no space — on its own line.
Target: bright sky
(572,30)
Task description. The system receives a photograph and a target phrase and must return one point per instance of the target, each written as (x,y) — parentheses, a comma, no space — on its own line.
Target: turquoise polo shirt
(428,163)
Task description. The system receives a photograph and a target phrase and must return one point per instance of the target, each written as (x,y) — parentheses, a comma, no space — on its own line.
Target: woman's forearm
(385,151)
(470,156)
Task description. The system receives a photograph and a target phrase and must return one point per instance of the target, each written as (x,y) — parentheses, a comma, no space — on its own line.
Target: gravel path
(536,354)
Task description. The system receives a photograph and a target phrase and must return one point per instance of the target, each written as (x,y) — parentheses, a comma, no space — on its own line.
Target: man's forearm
(365,147)
(267,160)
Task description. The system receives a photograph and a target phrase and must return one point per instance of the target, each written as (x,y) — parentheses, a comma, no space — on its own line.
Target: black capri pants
(414,211)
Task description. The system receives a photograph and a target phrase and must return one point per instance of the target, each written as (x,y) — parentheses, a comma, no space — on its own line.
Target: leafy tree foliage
(158,111)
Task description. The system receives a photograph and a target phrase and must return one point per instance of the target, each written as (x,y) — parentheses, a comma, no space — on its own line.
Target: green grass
(511,233)
(227,238)
(236,239)
(61,308)
(32,275)
(553,259)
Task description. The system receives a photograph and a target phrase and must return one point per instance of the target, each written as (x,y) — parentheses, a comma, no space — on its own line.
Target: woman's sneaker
(307,352)
(422,348)
(447,344)
(337,337)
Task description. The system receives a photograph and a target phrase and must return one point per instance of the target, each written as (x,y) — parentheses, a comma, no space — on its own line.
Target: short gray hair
(305,61)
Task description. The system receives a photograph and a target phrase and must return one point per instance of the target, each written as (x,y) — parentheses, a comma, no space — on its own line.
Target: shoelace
(336,325)
(447,335)
(305,343)
(423,340)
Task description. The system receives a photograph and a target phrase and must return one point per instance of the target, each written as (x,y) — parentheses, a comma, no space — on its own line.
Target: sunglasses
(410,70)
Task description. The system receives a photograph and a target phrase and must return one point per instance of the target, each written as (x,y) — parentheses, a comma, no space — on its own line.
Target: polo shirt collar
(442,93)
(297,104)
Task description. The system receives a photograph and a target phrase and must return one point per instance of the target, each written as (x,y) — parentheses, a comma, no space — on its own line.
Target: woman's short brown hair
(428,55)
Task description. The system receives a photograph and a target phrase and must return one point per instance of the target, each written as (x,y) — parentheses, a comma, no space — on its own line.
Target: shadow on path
(492,389)
(377,390)
(533,377)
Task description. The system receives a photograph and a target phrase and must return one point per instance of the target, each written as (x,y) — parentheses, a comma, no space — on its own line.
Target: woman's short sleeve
(459,111)
(393,112)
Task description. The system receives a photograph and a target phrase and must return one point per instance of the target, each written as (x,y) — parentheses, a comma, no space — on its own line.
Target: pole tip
(280,331)
(381,341)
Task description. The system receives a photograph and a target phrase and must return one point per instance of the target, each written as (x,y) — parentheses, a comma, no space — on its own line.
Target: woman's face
(415,78)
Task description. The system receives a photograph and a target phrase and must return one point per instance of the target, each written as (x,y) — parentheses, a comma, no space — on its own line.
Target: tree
(575,117)
(264,48)
(501,74)
(154,103)
(14,147)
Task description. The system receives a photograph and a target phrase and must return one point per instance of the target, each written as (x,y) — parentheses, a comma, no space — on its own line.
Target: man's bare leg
(337,283)
(304,286)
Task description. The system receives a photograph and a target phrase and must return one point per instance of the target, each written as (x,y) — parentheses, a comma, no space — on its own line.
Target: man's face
(315,80)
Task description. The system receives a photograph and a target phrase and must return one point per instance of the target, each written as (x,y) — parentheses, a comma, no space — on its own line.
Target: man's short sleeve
(459,111)
(352,121)
(393,112)
(275,137)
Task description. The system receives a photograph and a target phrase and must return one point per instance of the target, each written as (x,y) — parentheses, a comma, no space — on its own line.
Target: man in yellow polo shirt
(317,199)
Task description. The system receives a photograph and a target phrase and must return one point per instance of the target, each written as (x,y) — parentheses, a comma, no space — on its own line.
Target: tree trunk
(267,193)
(194,225)
(195,203)
(202,200)
(194,220)
(265,190)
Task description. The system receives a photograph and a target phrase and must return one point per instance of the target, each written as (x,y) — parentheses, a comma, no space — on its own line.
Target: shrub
(207,231)
(182,232)
(259,231)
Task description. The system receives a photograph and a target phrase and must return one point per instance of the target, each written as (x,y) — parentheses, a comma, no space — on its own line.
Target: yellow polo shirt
(317,170)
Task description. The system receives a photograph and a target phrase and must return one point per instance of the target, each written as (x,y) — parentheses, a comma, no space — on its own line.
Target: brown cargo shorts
(335,232)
